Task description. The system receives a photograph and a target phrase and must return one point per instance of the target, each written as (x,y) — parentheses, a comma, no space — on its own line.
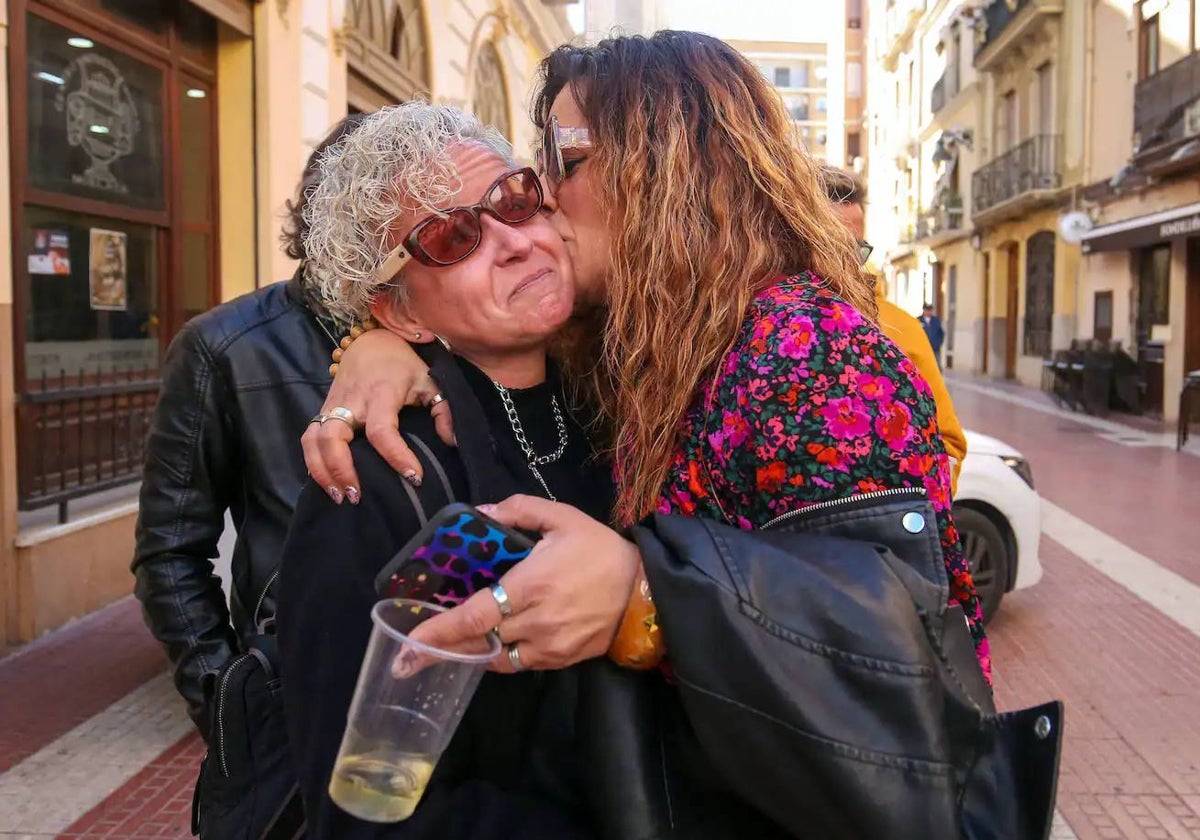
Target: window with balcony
(783,77)
(1148,45)
(1044,84)
(1006,122)
(853,145)
(854,77)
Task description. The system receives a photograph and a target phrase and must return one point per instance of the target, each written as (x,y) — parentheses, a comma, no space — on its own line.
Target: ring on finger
(502,601)
(439,397)
(319,419)
(343,414)
(514,657)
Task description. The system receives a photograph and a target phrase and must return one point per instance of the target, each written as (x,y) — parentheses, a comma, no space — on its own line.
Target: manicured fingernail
(412,478)
(335,494)
(352,495)
(485,508)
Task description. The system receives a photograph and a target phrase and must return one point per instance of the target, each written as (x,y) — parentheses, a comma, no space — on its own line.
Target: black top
(509,771)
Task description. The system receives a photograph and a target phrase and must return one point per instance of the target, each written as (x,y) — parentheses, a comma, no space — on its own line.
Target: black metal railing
(1030,165)
(1159,102)
(997,17)
(939,219)
(80,434)
(944,89)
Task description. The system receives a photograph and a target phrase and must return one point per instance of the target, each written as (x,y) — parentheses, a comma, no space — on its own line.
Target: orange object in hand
(638,644)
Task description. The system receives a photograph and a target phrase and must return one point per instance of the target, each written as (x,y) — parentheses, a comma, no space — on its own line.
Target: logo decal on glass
(101,118)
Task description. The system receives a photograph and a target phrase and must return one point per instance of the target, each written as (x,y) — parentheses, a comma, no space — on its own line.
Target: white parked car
(999,516)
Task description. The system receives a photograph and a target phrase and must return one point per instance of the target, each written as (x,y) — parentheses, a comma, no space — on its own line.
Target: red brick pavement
(1146,497)
(1130,676)
(54,684)
(1131,680)
(157,802)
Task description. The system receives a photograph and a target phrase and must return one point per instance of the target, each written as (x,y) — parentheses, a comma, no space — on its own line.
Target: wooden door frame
(1191,312)
(987,311)
(1012,308)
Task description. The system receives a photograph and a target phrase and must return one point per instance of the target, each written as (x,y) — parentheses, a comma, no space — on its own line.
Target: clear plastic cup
(409,700)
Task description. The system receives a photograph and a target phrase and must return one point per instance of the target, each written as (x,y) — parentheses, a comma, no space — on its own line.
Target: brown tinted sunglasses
(445,238)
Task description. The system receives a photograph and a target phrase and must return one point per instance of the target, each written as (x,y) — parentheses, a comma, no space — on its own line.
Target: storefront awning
(1144,230)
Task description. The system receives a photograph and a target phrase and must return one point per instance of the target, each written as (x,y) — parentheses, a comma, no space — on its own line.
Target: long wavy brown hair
(709,198)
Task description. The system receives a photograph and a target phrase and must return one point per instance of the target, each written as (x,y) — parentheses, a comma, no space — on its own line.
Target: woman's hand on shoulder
(567,597)
(377,376)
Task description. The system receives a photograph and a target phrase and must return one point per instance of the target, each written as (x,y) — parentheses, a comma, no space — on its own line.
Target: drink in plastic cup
(399,725)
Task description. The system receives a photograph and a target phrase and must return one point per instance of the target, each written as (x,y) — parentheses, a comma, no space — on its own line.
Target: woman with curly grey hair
(422,222)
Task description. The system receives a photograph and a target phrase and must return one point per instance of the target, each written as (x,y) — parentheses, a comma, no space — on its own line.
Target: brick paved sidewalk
(91,709)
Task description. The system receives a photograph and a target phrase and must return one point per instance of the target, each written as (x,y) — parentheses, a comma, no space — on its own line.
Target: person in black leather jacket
(239,385)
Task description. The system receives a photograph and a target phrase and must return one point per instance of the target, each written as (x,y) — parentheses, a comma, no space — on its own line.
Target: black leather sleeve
(187,483)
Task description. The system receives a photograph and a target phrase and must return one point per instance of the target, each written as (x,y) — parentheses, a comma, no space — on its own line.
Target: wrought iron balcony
(940,219)
(1161,102)
(1029,166)
(1000,34)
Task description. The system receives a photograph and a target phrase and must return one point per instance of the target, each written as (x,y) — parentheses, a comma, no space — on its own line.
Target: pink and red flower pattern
(814,403)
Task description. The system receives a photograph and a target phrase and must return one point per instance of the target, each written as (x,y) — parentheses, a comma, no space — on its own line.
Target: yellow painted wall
(8,445)
(235,129)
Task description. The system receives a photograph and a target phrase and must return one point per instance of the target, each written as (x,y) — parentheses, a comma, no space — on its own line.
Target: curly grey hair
(397,161)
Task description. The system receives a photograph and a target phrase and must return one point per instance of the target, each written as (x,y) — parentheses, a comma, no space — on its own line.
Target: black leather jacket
(240,384)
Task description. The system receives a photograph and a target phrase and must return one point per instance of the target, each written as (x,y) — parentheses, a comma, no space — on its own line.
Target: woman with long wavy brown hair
(730,350)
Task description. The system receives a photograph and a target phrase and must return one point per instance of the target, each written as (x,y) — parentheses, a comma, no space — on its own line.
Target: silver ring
(319,419)
(501,600)
(439,397)
(514,657)
(343,414)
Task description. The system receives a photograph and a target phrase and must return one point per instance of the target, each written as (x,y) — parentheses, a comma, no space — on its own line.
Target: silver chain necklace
(533,459)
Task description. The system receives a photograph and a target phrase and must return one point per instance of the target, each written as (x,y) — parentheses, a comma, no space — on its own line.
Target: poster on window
(51,252)
(106,270)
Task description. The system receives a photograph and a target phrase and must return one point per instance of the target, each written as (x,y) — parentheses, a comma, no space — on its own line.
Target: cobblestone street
(94,743)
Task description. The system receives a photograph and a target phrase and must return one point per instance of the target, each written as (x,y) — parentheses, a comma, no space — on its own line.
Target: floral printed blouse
(814,403)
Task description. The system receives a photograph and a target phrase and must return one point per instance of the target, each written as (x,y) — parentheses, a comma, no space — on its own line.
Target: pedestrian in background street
(933,329)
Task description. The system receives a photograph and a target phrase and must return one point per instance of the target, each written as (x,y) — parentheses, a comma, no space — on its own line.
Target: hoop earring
(443,341)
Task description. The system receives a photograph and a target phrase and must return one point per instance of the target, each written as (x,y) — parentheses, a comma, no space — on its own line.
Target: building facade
(1140,282)
(987,153)
(148,151)
(1035,177)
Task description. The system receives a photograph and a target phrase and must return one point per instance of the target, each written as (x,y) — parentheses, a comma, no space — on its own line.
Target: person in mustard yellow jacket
(846,193)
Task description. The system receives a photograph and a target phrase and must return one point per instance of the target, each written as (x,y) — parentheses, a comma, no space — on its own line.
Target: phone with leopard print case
(459,552)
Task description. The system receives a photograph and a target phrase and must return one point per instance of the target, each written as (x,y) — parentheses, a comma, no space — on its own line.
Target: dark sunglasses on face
(864,251)
(443,239)
(555,138)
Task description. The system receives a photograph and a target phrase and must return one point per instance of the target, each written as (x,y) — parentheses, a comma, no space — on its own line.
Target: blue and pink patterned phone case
(458,552)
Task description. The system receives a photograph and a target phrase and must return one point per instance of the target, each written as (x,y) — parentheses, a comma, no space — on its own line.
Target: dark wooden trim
(105,30)
(237,14)
(95,207)
(18,156)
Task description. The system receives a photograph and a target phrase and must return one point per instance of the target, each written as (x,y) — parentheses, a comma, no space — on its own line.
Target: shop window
(95,120)
(1102,316)
(1039,293)
(1153,290)
(115,221)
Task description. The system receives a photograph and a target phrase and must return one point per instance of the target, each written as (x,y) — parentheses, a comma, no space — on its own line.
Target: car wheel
(987,554)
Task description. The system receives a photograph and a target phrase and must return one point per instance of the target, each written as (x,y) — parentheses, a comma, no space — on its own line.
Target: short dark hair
(842,187)
(927,306)
(295,231)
